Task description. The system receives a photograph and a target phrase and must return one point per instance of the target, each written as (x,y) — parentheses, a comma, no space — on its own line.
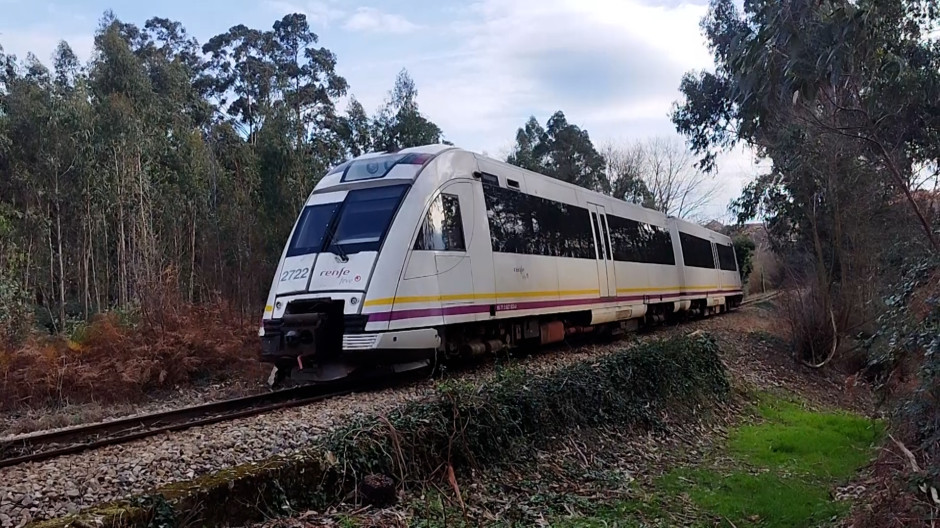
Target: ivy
(515,413)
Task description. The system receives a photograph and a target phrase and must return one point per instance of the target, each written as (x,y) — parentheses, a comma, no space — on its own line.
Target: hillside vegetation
(842,98)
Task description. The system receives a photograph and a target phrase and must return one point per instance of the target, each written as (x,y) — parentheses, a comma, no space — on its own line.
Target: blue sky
(482,67)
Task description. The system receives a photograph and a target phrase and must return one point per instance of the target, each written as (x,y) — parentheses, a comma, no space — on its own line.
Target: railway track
(756,298)
(41,446)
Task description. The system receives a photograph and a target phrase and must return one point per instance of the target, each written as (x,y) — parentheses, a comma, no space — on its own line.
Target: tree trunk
(58,221)
(86,257)
(192,257)
(122,236)
(51,267)
(94,272)
(899,179)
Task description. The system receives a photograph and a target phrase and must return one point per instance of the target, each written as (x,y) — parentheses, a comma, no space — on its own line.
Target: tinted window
(522,223)
(696,252)
(311,229)
(726,260)
(639,242)
(597,236)
(604,236)
(442,229)
(365,217)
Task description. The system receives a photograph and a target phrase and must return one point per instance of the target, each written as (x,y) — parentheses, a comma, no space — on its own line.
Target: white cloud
(372,20)
(606,63)
(613,67)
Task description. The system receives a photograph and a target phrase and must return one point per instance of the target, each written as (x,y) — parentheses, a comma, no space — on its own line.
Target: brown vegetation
(170,346)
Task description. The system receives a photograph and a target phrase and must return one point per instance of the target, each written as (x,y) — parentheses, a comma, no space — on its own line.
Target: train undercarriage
(315,343)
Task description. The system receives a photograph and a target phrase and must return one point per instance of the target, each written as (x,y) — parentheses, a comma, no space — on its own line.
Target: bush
(108,361)
(515,413)
(904,358)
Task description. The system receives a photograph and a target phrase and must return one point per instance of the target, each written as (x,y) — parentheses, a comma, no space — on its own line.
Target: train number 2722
(294,274)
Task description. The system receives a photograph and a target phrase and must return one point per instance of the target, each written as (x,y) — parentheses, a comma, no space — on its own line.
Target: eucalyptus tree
(399,123)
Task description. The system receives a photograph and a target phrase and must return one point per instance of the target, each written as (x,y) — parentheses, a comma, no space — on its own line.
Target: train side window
(726,258)
(597,237)
(610,255)
(442,226)
(696,252)
(531,225)
(640,242)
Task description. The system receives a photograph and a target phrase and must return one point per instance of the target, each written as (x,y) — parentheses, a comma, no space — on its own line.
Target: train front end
(313,313)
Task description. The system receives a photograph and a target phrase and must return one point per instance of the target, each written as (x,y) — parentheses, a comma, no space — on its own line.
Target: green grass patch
(817,445)
(764,499)
(783,468)
(777,471)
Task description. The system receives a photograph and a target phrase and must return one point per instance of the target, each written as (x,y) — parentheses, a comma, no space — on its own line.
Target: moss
(824,444)
(122,514)
(781,469)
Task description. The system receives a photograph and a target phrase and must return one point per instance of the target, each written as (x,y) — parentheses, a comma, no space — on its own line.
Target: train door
(717,261)
(451,232)
(605,258)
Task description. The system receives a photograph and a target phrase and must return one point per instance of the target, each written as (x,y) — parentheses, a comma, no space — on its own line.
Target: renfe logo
(342,274)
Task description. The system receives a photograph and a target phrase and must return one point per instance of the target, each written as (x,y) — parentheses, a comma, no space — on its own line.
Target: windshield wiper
(339,249)
(331,235)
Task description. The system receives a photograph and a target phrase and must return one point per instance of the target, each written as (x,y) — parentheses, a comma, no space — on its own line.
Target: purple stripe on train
(515,306)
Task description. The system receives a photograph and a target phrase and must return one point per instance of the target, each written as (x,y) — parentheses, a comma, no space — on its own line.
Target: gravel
(51,419)
(67,484)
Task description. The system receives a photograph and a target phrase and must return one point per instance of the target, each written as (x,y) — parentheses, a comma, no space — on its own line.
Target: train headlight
(279,305)
(354,300)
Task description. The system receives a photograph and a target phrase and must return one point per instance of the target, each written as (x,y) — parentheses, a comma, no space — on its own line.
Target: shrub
(904,358)
(515,413)
(108,361)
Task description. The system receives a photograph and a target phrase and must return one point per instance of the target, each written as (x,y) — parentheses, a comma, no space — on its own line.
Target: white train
(399,259)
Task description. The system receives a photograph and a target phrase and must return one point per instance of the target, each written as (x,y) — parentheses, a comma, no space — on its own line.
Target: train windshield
(359,223)
(365,217)
(312,228)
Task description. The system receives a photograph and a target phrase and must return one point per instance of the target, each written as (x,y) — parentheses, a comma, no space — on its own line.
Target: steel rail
(28,448)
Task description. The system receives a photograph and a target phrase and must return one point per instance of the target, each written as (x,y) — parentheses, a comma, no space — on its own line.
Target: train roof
(436,149)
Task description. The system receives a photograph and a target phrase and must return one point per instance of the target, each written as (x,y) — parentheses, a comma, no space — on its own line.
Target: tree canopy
(818,88)
(564,151)
(166,162)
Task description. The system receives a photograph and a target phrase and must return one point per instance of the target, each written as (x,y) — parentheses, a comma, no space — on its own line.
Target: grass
(822,445)
(778,469)
(754,499)
(782,468)
(776,472)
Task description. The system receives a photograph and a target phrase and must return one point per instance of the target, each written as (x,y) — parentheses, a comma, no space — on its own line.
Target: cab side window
(442,227)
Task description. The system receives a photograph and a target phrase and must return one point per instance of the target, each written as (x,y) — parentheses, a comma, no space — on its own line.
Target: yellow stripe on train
(485,296)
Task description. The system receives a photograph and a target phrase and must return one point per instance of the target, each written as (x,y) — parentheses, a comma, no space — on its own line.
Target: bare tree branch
(678,188)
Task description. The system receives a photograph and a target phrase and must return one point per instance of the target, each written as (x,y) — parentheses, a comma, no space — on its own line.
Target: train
(400,260)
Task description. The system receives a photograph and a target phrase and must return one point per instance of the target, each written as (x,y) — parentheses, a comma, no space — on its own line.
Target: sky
(481,67)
